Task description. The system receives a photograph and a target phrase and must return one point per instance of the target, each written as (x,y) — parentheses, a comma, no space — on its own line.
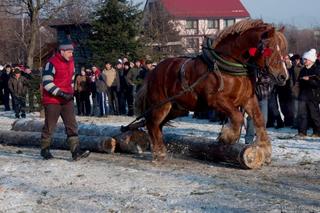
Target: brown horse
(178,85)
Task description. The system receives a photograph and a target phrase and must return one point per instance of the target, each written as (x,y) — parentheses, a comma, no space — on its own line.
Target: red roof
(205,8)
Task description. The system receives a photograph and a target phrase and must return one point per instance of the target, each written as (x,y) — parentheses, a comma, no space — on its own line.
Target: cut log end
(252,157)
(109,145)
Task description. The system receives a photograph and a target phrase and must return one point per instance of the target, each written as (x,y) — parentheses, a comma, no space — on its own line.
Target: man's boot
(75,150)
(45,152)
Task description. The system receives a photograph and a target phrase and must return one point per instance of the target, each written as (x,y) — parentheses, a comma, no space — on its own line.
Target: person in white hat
(309,95)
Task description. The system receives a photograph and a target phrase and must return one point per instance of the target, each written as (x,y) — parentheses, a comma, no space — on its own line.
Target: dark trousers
(6,99)
(52,114)
(129,99)
(122,102)
(273,109)
(94,104)
(31,96)
(84,106)
(286,106)
(113,100)
(308,110)
(77,96)
(19,106)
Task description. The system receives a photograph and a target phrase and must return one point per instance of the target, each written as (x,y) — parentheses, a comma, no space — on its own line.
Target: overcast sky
(301,13)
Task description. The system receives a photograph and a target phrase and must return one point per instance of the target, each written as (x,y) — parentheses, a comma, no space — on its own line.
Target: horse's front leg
(153,124)
(262,140)
(231,132)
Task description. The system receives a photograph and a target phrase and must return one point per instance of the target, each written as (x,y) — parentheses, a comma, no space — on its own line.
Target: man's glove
(65,96)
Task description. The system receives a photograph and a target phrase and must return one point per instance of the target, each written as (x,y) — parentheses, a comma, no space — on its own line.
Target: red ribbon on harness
(252,51)
(266,52)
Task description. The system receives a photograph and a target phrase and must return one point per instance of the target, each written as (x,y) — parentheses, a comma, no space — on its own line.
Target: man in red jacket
(57,99)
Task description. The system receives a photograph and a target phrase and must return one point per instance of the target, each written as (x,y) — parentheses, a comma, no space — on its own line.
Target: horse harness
(215,64)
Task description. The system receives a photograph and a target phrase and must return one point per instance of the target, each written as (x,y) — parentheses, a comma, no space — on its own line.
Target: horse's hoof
(267,161)
(159,157)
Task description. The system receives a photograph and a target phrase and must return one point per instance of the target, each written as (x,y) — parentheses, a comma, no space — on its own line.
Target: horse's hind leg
(154,126)
(262,139)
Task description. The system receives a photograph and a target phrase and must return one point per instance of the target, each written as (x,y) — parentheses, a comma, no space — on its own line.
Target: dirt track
(128,183)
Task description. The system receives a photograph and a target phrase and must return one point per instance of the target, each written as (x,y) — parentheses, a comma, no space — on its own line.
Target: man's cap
(66,44)
(119,61)
(17,70)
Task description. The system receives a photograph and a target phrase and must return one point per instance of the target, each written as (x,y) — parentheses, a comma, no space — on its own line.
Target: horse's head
(254,42)
(269,54)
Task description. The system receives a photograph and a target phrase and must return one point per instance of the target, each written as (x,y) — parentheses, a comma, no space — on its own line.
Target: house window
(213,24)
(192,24)
(229,22)
(192,43)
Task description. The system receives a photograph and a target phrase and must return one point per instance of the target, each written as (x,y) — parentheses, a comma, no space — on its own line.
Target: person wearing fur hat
(57,99)
(309,95)
(18,86)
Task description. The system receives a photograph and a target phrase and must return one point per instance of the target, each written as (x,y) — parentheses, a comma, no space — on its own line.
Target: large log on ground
(92,143)
(133,141)
(91,129)
(247,156)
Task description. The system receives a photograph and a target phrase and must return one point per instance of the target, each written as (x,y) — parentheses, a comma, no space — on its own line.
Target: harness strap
(182,76)
(211,58)
(221,82)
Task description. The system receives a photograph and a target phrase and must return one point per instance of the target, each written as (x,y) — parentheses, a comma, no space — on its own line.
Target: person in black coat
(5,76)
(309,95)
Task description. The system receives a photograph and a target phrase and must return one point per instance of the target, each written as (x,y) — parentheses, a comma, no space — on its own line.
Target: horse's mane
(239,28)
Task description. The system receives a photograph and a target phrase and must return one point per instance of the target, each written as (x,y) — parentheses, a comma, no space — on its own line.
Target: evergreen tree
(115,31)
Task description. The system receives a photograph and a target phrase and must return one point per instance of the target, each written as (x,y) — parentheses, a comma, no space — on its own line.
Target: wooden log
(247,156)
(91,129)
(133,141)
(92,143)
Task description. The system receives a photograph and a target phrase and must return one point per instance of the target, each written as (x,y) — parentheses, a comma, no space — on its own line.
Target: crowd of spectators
(104,91)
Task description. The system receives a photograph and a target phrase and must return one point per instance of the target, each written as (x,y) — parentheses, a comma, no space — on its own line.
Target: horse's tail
(140,105)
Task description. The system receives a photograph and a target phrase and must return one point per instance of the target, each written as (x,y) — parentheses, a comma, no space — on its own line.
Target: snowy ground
(131,183)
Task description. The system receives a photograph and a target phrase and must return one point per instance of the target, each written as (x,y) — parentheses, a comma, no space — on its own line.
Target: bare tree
(33,14)
(160,33)
(301,40)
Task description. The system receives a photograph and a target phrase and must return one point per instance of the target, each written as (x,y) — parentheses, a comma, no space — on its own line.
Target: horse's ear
(281,30)
(268,33)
